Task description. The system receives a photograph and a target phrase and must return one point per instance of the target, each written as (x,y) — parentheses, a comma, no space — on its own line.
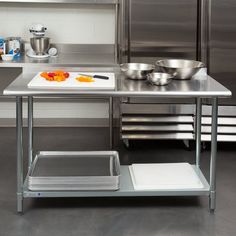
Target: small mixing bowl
(159,78)
(136,71)
(179,68)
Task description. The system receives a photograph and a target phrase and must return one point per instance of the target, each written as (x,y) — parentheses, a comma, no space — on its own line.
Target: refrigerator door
(223,46)
(162,29)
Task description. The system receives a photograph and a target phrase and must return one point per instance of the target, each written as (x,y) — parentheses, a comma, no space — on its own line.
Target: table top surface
(201,85)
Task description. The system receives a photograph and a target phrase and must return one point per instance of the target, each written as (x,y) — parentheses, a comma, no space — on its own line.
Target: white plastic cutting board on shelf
(166,176)
(71,83)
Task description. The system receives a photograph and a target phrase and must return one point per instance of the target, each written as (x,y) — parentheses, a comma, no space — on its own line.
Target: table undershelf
(126,189)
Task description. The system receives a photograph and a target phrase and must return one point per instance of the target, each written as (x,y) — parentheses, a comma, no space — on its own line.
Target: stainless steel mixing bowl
(159,78)
(136,71)
(40,45)
(179,68)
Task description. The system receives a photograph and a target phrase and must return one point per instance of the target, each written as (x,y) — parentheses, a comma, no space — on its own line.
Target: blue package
(1,45)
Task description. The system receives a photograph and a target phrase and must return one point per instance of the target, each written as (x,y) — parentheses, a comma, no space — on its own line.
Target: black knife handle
(100,77)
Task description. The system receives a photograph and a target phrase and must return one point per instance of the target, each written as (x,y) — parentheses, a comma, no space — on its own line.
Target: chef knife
(96,76)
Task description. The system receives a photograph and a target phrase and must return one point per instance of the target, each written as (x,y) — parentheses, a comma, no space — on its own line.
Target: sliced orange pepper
(44,75)
(85,79)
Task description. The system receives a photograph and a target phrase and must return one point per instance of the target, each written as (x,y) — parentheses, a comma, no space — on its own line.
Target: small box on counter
(13,45)
(10,48)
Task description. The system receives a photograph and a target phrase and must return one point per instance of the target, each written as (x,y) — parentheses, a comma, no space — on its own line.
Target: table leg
(19,154)
(212,198)
(198,127)
(111,122)
(30,131)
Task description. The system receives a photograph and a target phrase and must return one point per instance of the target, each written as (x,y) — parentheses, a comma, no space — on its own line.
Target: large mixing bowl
(40,45)
(179,68)
(136,71)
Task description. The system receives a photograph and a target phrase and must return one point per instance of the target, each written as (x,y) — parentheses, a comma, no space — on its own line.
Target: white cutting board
(164,176)
(39,82)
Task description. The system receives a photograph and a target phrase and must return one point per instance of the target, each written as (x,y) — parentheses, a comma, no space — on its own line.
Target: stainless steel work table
(202,86)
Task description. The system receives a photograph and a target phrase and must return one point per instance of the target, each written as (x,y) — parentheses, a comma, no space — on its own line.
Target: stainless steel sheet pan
(75,171)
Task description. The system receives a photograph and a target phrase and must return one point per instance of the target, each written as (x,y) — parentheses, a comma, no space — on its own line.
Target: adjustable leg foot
(19,203)
(212,201)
